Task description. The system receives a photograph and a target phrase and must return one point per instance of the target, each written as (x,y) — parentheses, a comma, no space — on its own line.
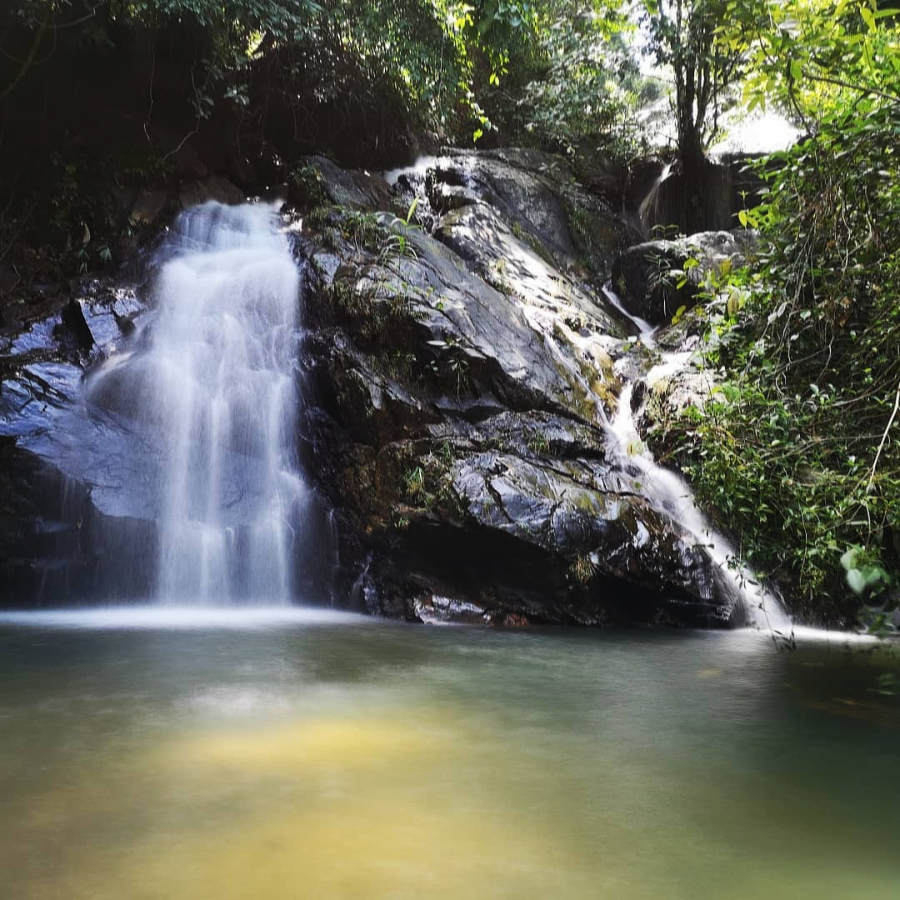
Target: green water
(291,757)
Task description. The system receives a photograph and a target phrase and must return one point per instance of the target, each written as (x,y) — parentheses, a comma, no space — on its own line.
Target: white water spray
(216,385)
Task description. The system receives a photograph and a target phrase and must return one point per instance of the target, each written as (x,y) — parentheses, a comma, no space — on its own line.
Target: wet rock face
(465,373)
(58,545)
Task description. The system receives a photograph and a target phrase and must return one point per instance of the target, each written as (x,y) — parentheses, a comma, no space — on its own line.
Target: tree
(686,35)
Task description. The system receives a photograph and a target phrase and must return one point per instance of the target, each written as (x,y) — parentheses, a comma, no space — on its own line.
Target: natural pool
(285,754)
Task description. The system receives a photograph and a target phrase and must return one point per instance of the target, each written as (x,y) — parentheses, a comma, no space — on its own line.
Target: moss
(581,569)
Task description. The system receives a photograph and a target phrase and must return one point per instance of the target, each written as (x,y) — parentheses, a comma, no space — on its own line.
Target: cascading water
(213,388)
(648,204)
(671,495)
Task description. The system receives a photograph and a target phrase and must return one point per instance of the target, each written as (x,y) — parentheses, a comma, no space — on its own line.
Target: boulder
(464,380)
(149,206)
(652,279)
(316,180)
(212,187)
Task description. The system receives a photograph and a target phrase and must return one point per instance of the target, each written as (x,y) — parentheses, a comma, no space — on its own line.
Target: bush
(800,448)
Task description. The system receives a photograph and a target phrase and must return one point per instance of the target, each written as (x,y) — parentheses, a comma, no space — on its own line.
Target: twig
(150,91)
(884,437)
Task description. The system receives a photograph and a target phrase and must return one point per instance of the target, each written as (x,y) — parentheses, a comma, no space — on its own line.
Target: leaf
(856,581)
(868,17)
(777,313)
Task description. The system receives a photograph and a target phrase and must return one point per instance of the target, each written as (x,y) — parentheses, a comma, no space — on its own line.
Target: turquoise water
(270,754)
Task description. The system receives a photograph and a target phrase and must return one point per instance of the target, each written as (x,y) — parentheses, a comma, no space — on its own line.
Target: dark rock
(57,547)
(149,206)
(462,388)
(76,327)
(213,187)
(464,380)
(647,276)
(62,540)
(347,188)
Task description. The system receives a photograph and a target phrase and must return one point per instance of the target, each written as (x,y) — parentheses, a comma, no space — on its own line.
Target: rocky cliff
(462,363)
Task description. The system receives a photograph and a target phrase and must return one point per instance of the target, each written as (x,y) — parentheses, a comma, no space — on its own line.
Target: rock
(213,187)
(76,327)
(646,276)
(55,544)
(509,261)
(437,610)
(463,379)
(62,474)
(535,194)
(149,206)
(318,180)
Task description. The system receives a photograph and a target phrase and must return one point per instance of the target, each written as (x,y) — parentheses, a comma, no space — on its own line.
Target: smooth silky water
(172,753)
(211,389)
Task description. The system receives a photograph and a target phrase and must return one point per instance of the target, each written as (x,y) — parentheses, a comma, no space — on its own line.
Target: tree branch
(884,438)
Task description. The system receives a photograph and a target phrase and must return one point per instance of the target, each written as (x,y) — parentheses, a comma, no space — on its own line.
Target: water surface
(270,754)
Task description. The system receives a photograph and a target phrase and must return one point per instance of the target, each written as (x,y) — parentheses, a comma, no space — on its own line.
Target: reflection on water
(333,757)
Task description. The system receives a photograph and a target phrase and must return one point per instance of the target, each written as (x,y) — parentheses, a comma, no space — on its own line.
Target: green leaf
(856,581)
(868,17)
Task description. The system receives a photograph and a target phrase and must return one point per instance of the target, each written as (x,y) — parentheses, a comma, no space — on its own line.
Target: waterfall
(213,389)
(648,204)
(671,495)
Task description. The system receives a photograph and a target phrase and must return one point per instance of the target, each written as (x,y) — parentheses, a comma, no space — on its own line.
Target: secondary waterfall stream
(214,383)
(671,494)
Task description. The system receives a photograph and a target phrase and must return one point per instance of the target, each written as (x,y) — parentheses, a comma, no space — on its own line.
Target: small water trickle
(647,204)
(645,331)
(670,494)
(214,386)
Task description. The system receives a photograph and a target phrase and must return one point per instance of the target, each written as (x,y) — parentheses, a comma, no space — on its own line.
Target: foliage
(582,96)
(800,446)
(817,55)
